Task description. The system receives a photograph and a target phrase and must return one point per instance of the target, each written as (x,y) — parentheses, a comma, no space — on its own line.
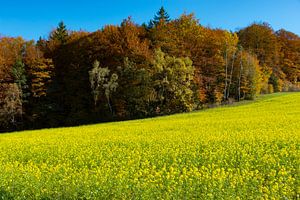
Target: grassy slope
(248,150)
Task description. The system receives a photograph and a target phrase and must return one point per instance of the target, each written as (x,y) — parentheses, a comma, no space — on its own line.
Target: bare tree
(101,82)
(226,70)
(11,105)
(231,74)
(240,78)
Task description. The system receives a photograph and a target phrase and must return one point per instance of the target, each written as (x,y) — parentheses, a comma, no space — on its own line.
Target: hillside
(129,71)
(251,150)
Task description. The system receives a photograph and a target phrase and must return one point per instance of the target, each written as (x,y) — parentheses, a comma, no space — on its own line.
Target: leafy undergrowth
(249,151)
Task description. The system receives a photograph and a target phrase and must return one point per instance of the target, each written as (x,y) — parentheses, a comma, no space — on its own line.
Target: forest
(131,71)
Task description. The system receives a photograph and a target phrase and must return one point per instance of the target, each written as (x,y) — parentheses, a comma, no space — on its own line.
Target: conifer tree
(161,17)
(60,33)
(19,74)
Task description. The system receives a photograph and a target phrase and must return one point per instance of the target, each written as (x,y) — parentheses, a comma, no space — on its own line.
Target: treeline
(134,71)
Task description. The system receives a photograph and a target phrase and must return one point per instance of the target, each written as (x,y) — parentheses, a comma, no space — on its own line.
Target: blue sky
(34,18)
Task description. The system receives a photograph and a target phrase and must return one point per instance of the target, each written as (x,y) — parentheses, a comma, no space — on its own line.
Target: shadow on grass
(4,195)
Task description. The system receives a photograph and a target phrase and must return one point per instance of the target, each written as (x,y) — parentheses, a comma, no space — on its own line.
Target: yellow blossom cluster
(249,151)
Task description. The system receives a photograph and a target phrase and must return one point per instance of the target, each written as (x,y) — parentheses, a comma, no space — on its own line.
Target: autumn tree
(260,39)
(212,51)
(13,80)
(290,54)
(10,52)
(167,67)
(39,70)
(10,106)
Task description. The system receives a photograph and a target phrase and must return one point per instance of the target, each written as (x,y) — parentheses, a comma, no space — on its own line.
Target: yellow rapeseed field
(247,151)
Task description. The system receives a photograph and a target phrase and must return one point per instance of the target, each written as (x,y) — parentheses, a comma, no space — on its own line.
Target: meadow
(247,151)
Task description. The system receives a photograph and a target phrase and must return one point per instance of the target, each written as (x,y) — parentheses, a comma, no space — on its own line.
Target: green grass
(247,151)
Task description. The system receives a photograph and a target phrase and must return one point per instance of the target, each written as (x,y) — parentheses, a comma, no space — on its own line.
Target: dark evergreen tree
(161,17)
(20,78)
(60,33)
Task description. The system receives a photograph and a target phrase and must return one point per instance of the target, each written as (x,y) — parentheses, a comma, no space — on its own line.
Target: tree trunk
(231,73)
(110,107)
(240,77)
(226,69)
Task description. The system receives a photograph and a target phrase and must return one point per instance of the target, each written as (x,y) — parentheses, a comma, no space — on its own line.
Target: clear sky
(34,18)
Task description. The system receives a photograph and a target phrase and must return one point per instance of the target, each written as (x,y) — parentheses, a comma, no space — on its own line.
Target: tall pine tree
(60,33)
(161,17)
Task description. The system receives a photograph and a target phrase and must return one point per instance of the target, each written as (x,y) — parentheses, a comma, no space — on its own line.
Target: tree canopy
(132,71)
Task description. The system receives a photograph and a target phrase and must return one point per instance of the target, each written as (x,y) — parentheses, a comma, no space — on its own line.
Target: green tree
(60,34)
(172,80)
(136,92)
(230,48)
(247,76)
(20,79)
(19,75)
(161,17)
